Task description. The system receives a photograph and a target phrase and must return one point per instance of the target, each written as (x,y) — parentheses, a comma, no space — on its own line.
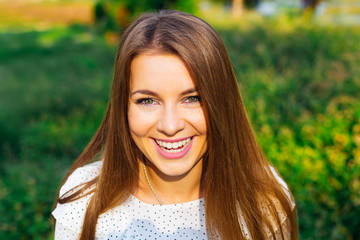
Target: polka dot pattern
(133,219)
(71,215)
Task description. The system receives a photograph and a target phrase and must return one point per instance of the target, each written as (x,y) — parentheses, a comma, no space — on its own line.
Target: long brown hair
(237,179)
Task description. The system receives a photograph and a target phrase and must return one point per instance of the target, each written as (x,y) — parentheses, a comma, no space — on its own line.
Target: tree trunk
(314,4)
(237,8)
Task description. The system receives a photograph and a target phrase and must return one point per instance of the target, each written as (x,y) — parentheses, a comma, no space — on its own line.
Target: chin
(176,169)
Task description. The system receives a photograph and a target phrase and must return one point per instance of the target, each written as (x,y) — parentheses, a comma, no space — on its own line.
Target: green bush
(301,87)
(27,193)
(288,73)
(53,88)
(320,159)
(52,73)
(61,136)
(115,15)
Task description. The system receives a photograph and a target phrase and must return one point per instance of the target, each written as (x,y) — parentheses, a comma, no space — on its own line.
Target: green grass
(301,87)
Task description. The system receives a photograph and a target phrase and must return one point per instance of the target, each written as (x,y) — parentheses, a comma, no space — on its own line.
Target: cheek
(197,120)
(139,122)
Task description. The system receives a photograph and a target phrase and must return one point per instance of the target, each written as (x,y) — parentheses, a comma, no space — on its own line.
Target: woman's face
(165,115)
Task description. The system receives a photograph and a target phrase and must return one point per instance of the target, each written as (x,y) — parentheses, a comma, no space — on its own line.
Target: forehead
(159,71)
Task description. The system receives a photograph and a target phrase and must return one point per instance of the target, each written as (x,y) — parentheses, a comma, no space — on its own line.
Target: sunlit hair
(239,187)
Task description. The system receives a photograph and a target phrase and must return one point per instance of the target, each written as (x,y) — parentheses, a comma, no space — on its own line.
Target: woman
(175,146)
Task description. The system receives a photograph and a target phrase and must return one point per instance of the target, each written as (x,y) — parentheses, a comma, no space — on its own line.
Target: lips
(173,149)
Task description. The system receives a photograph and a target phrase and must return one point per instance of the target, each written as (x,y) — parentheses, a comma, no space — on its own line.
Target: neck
(169,189)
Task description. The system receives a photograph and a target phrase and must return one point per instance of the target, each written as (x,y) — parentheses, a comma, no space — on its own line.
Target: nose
(171,122)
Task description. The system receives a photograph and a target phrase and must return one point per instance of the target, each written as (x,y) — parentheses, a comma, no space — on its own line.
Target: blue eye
(145,101)
(192,99)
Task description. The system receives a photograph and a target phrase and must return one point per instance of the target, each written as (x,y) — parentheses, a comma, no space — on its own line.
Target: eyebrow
(149,92)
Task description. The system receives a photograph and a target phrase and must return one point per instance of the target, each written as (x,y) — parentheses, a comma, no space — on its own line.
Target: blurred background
(298,65)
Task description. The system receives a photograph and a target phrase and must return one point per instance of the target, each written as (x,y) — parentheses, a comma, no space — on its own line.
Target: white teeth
(173,147)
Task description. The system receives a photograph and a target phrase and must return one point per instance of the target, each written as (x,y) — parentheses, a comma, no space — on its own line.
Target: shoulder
(71,214)
(278,178)
(265,208)
(284,221)
(81,176)
(283,185)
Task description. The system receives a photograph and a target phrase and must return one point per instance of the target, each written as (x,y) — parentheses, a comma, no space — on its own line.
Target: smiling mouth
(173,147)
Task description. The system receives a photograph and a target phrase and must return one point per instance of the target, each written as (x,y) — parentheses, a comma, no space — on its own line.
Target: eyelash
(193,99)
(142,101)
(145,101)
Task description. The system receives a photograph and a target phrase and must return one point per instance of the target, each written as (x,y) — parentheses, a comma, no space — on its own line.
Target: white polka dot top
(133,219)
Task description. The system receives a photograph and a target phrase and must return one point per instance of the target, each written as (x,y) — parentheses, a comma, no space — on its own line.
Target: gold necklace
(152,188)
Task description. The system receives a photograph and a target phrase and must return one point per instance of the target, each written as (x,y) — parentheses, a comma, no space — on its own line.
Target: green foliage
(136,7)
(290,72)
(61,136)
(319,157)
(27,192)
(53,88)
(37,69)
(300,85)
(112,14)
